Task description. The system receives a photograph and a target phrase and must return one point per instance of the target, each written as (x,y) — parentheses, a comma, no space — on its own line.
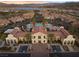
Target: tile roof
(4,22)
(58,33)
(64,32)
(39,29)
(18,33)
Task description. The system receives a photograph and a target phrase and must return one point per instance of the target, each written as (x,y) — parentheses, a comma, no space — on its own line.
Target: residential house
(16,19)
(16,35)
(4,22)
(28,15)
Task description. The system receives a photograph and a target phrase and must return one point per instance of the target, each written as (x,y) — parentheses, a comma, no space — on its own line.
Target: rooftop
(38,24)
(8,30)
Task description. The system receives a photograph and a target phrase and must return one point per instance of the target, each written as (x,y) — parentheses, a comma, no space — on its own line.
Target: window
(44,37)
(34,37)
(44,41)
(65,42)
(39,37)
(39,41)
(72,42)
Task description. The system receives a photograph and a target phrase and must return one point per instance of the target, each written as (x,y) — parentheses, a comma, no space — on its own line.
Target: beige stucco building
(11,39)
(69,40)
(39,37)
(15,36)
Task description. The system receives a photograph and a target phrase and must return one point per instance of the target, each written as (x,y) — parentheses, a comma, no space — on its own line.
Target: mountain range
(66,5)
(25,4)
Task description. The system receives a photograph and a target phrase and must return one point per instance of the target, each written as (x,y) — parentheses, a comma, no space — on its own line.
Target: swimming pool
(23,48)
(56,48)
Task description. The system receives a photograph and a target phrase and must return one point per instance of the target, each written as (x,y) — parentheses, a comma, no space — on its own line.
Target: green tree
(3,36)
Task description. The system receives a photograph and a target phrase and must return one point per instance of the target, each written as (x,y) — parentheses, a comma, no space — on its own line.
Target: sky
(56,1)
(42,0)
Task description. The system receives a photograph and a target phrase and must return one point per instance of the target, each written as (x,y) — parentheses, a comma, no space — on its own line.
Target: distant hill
(27,5)
(67,5)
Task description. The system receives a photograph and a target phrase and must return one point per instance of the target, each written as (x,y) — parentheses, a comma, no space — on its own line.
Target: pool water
(23,49)
(56,48)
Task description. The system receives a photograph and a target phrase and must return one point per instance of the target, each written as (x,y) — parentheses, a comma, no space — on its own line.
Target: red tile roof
(39,29)
(18,33)
(64,32)
(58,33)
(4,22)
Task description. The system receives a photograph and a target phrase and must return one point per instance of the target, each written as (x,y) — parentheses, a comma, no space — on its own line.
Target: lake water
(30,8)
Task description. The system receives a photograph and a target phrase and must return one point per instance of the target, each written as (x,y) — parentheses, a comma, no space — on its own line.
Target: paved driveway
(39,50)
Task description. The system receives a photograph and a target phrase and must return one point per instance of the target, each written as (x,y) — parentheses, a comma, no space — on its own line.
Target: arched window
(48,41)
(64,42)
(71,42)
(34,37)
(39,41)
(44,41)
(44,37)
(39,37)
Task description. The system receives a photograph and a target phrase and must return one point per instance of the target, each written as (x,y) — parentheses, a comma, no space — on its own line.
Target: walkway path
(39,50)
(70,48)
